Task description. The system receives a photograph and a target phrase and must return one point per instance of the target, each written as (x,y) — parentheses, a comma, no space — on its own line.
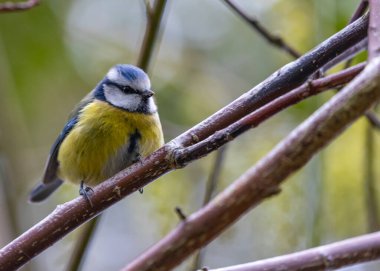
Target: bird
(114,126)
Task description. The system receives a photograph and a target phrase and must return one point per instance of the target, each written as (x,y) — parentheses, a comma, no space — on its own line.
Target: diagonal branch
(328,257)
(271,38)
(70,215)
(18,6)
(280,82)
(263,180)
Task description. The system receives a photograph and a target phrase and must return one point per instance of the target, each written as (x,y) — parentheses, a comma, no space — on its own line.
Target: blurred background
(53,54)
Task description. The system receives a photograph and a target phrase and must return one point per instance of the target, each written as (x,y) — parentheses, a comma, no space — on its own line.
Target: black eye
(128,90)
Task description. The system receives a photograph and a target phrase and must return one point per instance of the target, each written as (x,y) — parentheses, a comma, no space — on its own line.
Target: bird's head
(127,87)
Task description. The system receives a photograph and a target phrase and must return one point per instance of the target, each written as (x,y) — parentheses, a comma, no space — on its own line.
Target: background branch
(154,18)
(211,185)
(263,180)
(255,24)
(360,10)
(373,119)
(18,6)
(328,257)
(371,202)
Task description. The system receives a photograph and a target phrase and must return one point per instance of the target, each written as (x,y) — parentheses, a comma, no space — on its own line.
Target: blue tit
(111,128)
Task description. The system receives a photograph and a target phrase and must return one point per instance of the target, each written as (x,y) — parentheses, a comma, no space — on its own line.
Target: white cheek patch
(114,96)
(151,108)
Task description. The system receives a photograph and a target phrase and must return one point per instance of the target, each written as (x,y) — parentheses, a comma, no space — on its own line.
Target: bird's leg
(85,191)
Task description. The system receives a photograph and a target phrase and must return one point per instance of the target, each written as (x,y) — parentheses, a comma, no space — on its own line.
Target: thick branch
(263,180)
(282,81)
(70,215)
(329,257)
(18,6)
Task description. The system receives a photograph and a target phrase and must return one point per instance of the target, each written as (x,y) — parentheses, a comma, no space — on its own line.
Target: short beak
(147,93)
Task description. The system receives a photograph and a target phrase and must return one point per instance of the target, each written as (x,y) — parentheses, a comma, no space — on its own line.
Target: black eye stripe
(124,89)
(128,89)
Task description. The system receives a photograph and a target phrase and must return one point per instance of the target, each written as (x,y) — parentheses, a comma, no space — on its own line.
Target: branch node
(175,155)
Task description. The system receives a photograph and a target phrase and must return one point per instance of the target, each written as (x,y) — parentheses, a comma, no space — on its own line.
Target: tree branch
(154,18)
(263,180)
(211,185)
(373,119)
(369,176)
(18,6)
(271,38)
(70,215)
(328,257)
(282,81)
(360,10)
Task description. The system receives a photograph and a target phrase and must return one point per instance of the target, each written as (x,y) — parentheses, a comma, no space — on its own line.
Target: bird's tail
(43,190)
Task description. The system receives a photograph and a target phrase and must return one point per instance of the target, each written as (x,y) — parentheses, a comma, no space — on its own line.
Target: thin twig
(18,6)
(360,10)
(371,202)
(328,257)
(373,119)
(271,38)
(154,19)
(180,213)
(212,182)
(346,55)
(81,245)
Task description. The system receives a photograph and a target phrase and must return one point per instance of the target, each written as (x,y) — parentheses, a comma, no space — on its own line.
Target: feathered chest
(105,140)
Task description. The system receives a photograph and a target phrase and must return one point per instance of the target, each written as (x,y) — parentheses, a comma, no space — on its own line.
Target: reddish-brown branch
(18,6)
(271,38)
(282,81)
(255,118)
(72,214)
(328,257)
(374,29)
(264,179)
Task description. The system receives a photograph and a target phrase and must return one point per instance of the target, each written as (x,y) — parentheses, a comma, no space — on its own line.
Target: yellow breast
(97,147)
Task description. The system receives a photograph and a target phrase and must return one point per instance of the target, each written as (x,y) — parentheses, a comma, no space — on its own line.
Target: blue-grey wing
(50,180)
(52,163)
